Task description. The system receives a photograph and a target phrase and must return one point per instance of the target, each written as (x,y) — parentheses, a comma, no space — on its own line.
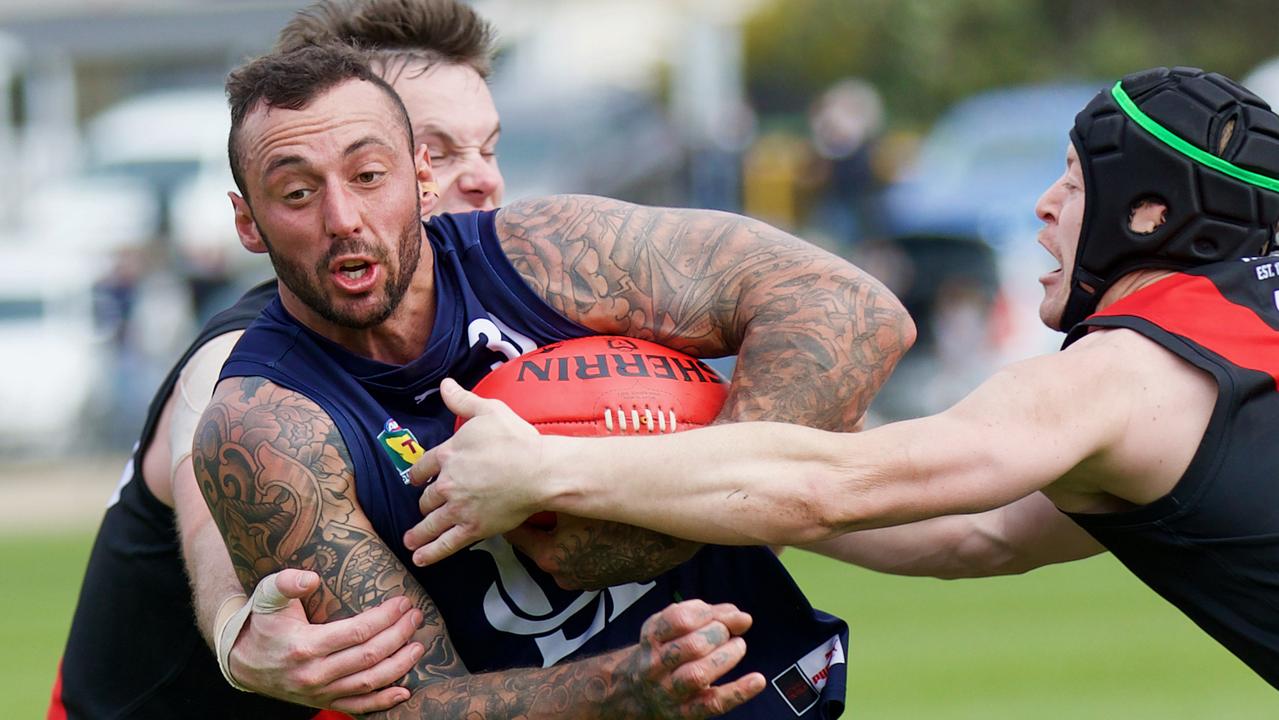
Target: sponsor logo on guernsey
(401,446)
(801,684)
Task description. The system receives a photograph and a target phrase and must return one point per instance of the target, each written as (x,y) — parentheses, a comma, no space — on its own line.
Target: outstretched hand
(348,665)
(481,482)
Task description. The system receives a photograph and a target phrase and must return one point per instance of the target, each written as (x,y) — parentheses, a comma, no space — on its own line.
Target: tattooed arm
(280,484)
(589,554)
(815,336)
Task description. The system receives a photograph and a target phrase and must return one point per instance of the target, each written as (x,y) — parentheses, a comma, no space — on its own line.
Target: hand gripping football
(606,385)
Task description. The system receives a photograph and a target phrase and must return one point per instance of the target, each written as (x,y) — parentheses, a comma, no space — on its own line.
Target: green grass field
(1085,640)
(1078,641)
(37,596)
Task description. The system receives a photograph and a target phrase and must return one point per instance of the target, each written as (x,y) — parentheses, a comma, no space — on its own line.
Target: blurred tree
(924,55)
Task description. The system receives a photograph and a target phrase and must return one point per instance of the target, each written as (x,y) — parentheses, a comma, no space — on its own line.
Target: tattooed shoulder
(615,267)
(280,484)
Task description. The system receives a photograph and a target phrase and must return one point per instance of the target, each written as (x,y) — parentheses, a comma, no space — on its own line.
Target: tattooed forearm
(549,693)
(608,553)
(278,480)
(816,337)
(589,554)
(639,682)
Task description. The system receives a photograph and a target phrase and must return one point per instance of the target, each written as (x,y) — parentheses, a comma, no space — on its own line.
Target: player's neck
(1131,283)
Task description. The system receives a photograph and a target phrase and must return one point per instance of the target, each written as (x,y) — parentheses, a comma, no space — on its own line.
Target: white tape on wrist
(267,599)
(228,624)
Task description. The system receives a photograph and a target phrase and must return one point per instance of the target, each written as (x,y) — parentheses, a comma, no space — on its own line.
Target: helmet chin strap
(1081,302)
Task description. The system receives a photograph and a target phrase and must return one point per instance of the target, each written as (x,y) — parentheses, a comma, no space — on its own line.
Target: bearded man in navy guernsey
(376,309)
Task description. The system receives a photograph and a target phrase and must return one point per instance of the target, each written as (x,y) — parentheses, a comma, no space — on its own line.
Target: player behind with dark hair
(437,56)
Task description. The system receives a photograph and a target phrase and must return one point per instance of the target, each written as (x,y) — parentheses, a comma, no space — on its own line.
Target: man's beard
(308,287)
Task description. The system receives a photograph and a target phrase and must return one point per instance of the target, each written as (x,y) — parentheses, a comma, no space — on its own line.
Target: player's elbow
(979,551)
(901,324)
(891,325)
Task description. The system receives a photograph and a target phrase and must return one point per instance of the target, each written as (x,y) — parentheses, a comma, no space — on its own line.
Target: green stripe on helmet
(1186,148)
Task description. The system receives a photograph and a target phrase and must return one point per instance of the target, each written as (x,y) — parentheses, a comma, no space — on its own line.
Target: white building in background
(62,62)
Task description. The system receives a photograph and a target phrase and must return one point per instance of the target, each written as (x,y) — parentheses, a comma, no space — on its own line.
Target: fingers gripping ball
(606,385)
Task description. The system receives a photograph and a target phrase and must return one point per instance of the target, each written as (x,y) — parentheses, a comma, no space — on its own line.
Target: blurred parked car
(951,287)
(155,175)
(1264,81)
(962,251)
(985,162)
(601,140)
(53,358)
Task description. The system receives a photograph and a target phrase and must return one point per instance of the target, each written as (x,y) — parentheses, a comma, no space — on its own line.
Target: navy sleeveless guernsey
(1211,546)
(501,610)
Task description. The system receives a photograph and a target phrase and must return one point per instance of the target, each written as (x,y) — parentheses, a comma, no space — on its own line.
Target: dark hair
(292,80)
(397,32)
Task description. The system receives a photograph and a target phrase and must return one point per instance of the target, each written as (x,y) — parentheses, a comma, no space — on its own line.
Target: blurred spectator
(144,307)
(845,123)
(773,169)
(715,168)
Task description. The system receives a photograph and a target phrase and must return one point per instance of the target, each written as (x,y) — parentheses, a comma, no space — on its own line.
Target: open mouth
(354,275)
(1050,277)
(353,269)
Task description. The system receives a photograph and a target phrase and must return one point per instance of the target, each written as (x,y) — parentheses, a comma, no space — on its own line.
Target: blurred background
(912,136)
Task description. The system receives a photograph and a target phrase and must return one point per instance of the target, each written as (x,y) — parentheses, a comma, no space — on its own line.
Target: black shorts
(134,650)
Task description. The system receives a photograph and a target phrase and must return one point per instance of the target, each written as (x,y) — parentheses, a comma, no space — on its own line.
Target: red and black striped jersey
(1211,546)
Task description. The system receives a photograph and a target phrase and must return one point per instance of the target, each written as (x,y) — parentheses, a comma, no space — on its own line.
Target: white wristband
(266,599)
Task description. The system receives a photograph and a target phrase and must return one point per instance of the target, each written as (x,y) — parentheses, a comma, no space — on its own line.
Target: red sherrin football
(606,385)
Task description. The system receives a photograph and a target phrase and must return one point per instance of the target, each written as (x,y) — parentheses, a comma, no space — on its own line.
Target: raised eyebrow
(282,162)
(288,160)
(364,142)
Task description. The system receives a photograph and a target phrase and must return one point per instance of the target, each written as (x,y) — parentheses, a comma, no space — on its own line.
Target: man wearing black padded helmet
(1151,434)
